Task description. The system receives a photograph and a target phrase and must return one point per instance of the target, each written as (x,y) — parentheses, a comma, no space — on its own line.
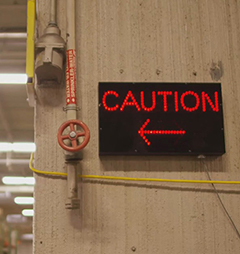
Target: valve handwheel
(73,135)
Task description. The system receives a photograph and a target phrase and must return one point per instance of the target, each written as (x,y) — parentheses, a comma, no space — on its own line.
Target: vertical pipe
(71,102)
(72,194)
(72,183)
(53,13)
(71,76)
(71,43)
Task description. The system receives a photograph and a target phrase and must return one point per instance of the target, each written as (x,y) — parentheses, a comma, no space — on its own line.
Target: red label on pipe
(71,77)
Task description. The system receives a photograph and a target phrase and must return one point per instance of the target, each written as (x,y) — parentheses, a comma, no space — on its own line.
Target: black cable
(220,200)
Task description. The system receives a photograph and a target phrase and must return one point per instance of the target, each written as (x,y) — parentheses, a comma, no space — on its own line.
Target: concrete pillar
(141,41)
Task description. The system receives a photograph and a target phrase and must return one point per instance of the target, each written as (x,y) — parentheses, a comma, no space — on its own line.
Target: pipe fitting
(72,203)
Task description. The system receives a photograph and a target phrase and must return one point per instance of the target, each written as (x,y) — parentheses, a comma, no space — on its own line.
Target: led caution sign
(160,118)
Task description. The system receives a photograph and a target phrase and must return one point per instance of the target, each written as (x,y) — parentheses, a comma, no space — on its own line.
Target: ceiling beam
(13,66)
(13,17)
(13,55)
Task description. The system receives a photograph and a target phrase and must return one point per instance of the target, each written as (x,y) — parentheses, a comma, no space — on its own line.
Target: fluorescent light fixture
(5,147)
(21,147)
(18,180)
(29,180)
(27,237)
(16,218)
(13,180)
(13,35)
(13,78)
(28,212)
(24,147)
(24,200)
(17,189)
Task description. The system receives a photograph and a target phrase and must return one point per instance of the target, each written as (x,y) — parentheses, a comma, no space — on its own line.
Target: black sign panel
(160,118)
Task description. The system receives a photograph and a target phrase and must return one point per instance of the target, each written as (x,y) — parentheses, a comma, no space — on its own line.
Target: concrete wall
(137,40)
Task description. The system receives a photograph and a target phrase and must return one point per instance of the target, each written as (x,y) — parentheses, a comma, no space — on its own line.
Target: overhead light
(24,147)
(18,180)
(19,147)
(13,78)
(13,35)
(29,180)
(5,147)
(17,189)
(24,200)
(28,212)
(16,218)
(27,237)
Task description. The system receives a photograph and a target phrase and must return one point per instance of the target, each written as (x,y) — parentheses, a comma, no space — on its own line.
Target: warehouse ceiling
(16,117)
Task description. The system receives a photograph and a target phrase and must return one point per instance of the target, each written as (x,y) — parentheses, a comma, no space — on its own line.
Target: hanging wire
(220,200)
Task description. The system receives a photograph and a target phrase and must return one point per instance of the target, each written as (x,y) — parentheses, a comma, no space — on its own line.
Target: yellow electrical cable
(130,178)
(44,172)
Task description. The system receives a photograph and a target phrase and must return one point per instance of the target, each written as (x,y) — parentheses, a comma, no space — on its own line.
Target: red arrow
(142,131)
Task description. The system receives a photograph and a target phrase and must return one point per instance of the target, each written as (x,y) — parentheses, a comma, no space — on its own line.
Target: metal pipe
(71,42)
(53,13)
(71,77)
(72,195)
(72,183)
(71,111)
(71,103)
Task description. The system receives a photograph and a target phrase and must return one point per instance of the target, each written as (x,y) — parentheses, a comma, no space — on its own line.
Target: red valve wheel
(73,135)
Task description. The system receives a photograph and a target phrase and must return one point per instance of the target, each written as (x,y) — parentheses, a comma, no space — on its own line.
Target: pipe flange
(71,107)
(72,203)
